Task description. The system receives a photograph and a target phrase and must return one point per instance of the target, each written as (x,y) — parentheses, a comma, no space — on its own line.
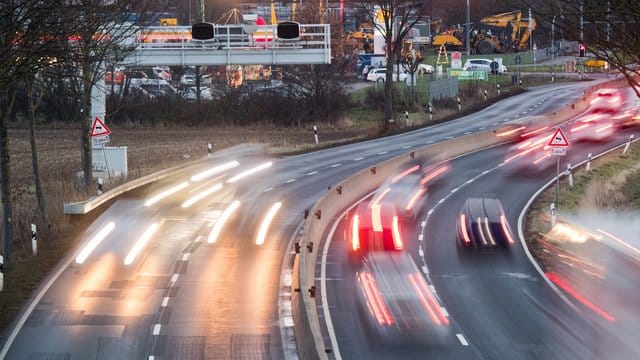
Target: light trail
(192,200)
(249,172)
(93,243)
(214,171)
(226,214)
(141,243)
(262,232)
(165,193)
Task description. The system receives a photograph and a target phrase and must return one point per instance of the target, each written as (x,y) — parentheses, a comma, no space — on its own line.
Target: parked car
(483,64)
(190,94)
(380,75)
(425,69)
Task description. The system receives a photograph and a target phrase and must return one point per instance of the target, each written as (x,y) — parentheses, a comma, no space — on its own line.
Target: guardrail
(309,338)
(86,206)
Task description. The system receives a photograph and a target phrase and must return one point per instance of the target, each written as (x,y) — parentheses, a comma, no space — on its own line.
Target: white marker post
(459,105)
(589,162)
(430,111)
(100,185)
(498,87)
(34,242)
(1,272)
(626,146)
(485,94)
(209,149)
(315,134)
(553,214)
(406,118)
(570,176)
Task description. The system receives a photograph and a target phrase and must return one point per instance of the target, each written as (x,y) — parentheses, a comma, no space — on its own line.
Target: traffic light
(581,49)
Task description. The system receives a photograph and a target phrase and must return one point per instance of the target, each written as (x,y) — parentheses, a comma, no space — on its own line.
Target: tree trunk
(388,91)
(8,97)
(85,126)
(42,201)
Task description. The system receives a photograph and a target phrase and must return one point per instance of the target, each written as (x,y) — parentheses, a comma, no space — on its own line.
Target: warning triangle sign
(558,139)
(99,128)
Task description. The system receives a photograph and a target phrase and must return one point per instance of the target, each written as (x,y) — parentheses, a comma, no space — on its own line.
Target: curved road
(185,298)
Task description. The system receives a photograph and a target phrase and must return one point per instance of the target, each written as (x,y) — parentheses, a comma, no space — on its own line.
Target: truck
(500,33)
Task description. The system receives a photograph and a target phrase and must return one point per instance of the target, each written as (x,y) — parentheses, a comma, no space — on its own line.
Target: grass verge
(603,171)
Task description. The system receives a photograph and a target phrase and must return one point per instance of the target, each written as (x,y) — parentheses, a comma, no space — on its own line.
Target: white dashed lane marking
(290,181)
(335,165)
(312,173)
(358,159)
(382,152)
(463,341)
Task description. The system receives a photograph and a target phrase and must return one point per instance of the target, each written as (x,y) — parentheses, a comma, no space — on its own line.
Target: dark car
(482,223)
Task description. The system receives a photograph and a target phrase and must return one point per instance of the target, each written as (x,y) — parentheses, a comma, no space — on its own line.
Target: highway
(184,297)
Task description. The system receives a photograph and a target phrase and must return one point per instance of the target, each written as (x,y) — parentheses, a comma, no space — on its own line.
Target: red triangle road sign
(99,128)
(558,139)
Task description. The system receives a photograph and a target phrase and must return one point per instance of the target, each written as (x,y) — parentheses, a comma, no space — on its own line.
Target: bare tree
(29,33)
(96,32)
(608,29)
(393,19)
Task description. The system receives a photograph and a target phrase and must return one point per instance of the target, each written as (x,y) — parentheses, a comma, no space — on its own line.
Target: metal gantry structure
(232,45)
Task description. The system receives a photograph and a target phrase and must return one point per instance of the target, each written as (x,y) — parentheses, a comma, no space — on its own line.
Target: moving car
(606,100)
(482,223)
(532,153)
(397,304)
(375,226)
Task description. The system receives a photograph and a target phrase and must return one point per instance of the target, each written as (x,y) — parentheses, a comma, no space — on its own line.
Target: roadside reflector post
(459,104)
(498,88)
(315,134)
(570,176)
(100,185)
(209,149)
(552,77)
(430,111)
(406,118)
(553,214)
(485,94)
(1,273)
(34,243)
(589,162)
(626,146)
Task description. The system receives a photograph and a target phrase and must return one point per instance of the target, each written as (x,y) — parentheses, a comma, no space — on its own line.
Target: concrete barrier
(309,338)
(86,206)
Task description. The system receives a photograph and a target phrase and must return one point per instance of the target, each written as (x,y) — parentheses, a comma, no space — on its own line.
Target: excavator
(500,33)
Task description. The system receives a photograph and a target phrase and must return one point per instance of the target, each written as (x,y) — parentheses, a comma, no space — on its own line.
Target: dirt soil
(152,149)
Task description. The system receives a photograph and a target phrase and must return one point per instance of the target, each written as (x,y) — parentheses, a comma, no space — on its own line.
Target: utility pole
(468,29)
(582,22)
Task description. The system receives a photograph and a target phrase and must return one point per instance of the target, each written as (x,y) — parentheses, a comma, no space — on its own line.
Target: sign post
(558,144)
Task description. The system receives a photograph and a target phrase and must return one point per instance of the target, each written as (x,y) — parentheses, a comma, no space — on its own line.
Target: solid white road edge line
(323,282)
(521,231)
(288,342)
